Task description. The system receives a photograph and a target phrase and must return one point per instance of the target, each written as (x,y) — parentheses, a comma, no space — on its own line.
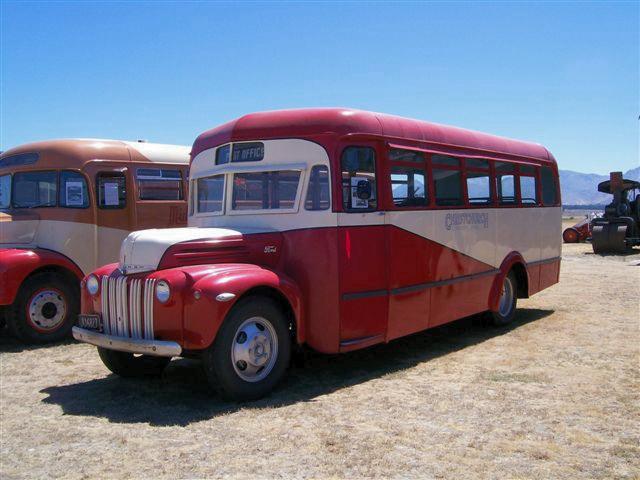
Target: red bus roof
(306,122)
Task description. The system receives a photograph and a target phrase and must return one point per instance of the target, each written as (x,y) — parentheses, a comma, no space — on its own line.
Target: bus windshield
(5,191)
(35,189)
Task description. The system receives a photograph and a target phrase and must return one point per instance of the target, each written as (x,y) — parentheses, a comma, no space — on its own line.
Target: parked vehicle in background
(65,207)
(619,228)
(334,228)
(579,232)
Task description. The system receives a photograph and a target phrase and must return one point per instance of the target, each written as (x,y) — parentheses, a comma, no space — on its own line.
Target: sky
(565,75)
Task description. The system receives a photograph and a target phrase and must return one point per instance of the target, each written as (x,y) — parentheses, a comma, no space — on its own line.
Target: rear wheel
(45,308)
(129,365)
(507,303)
(251,351)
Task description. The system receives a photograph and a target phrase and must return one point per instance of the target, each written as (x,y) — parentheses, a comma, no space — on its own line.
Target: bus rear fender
(515,262)
(17,264)
(214,295)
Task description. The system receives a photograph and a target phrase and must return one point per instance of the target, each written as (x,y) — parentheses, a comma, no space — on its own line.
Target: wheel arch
(512,262)
(279,298)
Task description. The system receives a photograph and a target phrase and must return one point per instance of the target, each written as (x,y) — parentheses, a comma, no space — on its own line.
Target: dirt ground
(555,395)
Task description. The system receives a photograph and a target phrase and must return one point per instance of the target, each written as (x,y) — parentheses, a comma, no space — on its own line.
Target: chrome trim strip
(104,304)
(149,286)
(158,348)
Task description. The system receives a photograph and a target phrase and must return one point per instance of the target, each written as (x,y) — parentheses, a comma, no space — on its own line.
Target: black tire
(31,326)
(217,359)
(133,366)
(504,316)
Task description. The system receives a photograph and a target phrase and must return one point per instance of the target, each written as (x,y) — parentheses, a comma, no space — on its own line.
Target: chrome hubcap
(506,298)
(255,349)
(47,309)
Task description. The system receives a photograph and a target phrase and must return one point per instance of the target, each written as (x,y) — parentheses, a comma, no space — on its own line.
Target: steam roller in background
(619,228)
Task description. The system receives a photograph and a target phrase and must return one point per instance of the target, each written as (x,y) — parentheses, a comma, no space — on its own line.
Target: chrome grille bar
(127,307)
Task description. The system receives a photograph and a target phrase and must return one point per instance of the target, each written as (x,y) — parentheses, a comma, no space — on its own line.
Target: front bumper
(158,348)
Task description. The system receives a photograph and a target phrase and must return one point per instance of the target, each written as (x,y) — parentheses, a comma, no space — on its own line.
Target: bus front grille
(127,307)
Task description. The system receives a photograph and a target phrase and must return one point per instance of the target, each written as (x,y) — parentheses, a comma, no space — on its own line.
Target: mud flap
(609,238)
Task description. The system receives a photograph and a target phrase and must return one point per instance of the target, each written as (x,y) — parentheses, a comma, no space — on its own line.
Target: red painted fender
(510,260)
(16,264)
(203,316)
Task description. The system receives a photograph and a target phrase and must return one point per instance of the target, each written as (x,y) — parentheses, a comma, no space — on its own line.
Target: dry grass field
(555,395)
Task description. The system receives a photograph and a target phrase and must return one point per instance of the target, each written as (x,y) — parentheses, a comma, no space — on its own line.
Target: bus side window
(112,190)
(159,184)
(549,190)
(408,178)
(359,179)
(447,181)
(528,188)
(506,183)
(478,181)
(73,190)
(318,190)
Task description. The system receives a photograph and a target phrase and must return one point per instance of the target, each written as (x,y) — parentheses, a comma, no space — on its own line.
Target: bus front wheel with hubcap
(251,351)
(507,303)
(129,365)
(45,308)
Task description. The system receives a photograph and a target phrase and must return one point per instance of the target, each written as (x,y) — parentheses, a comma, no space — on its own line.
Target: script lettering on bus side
(457,221)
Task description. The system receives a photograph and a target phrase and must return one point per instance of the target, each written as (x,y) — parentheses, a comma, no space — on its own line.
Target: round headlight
(163,292)
(93,285)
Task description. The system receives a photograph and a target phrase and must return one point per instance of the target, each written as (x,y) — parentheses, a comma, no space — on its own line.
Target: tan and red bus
(334,228)
(65,207)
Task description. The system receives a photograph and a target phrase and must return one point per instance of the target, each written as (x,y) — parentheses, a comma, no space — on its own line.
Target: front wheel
(507,303)
(44,309)
(251,351)
(129,365)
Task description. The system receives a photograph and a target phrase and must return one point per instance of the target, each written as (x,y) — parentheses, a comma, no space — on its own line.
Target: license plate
(90,322)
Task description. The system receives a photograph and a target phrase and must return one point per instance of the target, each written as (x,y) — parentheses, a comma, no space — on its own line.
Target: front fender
(204,315)
(16,264)
(507,264)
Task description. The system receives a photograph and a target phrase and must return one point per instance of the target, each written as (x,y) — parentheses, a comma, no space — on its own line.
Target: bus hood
(18,228)
(143,251)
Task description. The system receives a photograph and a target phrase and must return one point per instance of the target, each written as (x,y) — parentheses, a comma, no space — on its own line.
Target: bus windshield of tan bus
(5,191)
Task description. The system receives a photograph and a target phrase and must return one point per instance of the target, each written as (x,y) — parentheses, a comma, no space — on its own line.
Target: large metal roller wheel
(570,235)
(609,238)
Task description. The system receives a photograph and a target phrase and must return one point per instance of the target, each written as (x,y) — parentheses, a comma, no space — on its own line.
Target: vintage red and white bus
(334,228)
(65,207)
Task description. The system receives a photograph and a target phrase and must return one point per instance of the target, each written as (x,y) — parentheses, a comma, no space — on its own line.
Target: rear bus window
(549,189)
(359,179)
(159,184)
(318,190)
(210,194)
(408,187)
(265,190)
(528,190)
(73,190)
(35,189)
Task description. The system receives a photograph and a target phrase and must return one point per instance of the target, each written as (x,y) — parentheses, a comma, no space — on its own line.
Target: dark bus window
(223,155)
(505,186)
(318,190)
(479,163)
(210,194)
(19,159)
(402,155)
(505,167)
(448,187)
(478,188)
(528,170)
(159,184)
(111,190)
(408,187)
(445,160)
(359,179)
(549,190)
(265,190)
(35,189)
(528,191)
(73,190)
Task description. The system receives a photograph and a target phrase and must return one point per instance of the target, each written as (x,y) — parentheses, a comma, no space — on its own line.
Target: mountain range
(582,188)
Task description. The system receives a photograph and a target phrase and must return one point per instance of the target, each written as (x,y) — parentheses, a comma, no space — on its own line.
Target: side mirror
(363,190)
